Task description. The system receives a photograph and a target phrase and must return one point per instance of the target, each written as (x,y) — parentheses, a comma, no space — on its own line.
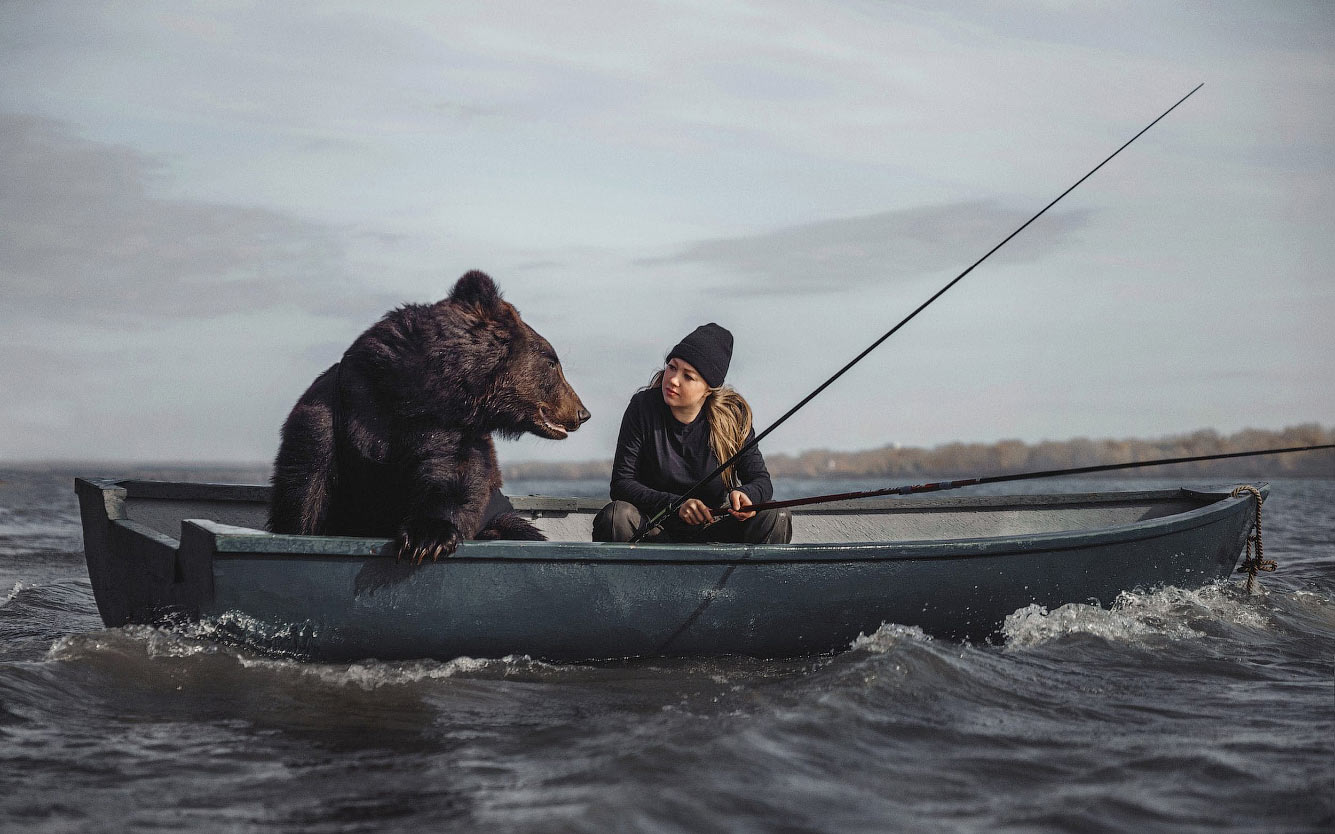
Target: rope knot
(1249,565)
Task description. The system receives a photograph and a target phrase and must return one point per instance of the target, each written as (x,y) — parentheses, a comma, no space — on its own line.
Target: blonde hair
(729,417)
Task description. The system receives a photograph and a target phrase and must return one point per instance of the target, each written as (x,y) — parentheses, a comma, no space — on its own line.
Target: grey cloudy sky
(202,204)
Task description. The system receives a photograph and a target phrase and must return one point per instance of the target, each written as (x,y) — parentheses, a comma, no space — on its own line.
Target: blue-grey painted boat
(170,553)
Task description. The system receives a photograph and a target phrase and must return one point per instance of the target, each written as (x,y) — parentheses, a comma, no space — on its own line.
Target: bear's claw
(420,539)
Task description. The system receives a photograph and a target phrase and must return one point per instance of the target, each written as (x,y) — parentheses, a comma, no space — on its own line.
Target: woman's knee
(616,522)
(773,526)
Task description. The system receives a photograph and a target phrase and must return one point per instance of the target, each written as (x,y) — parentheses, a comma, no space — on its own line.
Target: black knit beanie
(709,350)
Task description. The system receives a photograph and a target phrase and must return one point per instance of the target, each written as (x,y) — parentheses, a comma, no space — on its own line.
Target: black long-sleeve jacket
(658,458)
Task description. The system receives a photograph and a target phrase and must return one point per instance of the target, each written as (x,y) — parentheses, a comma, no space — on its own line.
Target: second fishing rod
(674,506)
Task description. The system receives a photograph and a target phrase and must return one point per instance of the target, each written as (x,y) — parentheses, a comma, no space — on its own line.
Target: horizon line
(265,463)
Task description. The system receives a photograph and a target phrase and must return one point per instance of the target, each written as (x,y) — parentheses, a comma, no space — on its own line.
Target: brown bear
(394,440)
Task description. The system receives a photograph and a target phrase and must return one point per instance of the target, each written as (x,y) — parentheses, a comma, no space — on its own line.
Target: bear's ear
(476,289)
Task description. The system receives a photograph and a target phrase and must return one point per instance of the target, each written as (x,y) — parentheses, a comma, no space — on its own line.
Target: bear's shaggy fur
(395,439)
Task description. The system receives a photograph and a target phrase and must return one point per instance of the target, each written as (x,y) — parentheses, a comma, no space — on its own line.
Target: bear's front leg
(446,505)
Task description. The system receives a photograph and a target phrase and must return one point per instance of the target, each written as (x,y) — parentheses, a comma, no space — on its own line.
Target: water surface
(1174,710)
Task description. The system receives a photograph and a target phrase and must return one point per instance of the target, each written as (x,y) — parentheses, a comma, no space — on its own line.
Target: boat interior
(162,506)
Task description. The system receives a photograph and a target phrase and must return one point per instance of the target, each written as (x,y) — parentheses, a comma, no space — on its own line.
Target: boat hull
(346,599)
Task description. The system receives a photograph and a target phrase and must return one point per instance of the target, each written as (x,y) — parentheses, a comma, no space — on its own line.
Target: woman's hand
(694,511)
(739,499)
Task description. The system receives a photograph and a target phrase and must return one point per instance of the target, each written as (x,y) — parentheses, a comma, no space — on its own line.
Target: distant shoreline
(959,460)
(949,460)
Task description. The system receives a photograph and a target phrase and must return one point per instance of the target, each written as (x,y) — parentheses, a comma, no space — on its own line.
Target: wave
(1168,612)
(13,594)
(196,646)
(889,637)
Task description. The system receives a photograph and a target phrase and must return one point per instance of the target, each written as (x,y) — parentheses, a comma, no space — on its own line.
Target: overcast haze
(201,205)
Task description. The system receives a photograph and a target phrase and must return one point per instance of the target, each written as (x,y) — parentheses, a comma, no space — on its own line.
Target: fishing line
(676,505)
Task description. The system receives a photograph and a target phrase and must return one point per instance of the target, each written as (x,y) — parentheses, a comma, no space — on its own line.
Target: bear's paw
(423,537)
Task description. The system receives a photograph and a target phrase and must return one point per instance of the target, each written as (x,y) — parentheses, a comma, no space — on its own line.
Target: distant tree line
(962,460)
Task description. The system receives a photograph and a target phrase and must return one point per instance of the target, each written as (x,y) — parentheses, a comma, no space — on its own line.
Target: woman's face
(683,387)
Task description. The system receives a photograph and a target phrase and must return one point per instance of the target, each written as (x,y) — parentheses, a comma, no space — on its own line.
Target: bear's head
(515,373)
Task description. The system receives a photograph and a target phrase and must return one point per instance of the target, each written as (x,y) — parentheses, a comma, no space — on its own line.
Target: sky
(203,204)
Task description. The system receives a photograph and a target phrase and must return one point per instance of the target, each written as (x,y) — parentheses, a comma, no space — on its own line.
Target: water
(1176,710)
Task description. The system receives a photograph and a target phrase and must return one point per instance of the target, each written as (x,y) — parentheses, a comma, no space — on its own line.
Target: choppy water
(1176,710)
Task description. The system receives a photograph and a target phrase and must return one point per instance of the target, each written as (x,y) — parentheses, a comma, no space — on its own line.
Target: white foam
(1169,612)
(168,643)
(234,624)
(376,674)
(888,637)
(194,641)
(65,648)
(371,674)
(19,587)
(153,642)
(233,636)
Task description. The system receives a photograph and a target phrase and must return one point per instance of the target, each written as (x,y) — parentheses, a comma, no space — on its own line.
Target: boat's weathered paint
(347,598)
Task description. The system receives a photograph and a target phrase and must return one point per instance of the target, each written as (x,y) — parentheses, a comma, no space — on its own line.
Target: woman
(675,432)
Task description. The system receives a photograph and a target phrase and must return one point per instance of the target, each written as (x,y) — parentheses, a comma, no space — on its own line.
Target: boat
(189,554)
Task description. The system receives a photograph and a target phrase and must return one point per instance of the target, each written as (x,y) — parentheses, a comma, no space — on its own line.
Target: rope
(1249,565)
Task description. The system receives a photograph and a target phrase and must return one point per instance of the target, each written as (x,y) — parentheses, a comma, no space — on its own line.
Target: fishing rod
(675,505)
(1022,476)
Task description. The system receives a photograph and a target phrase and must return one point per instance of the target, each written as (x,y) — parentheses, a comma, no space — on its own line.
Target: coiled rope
(1249,565)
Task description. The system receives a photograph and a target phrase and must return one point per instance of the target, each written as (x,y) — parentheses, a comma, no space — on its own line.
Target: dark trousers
(619,521)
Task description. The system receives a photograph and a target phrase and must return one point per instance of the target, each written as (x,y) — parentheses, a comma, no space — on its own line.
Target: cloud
(835,255)
(87,240)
